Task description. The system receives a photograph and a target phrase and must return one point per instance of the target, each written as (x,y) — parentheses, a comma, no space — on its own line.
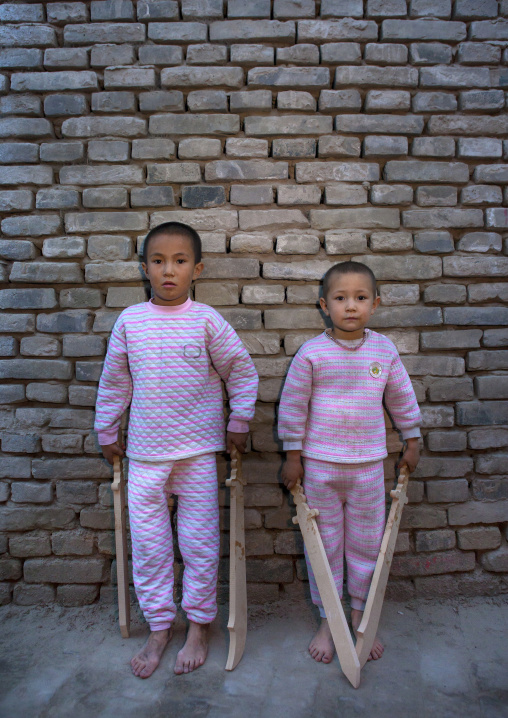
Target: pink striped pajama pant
(194,481)
(351,503)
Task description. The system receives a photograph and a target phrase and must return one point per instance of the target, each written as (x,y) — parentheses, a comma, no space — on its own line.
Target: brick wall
(292,134)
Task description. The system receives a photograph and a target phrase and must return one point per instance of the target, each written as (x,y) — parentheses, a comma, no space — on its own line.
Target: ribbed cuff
(413,433)
(238,427)
(292,445)
(107,436)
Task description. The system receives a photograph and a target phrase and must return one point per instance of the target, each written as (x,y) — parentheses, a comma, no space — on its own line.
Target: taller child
(331,413)
(166,358)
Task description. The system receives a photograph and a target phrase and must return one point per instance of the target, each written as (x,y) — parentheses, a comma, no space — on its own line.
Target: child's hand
(111,450)
(235,439)
(292,471)
(411,456)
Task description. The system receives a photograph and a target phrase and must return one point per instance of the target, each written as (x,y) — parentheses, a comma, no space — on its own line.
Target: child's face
(171,268)
(350,303)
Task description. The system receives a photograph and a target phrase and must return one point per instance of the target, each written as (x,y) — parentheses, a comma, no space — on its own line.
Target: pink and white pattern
(351,503)
(167,363)
(194,481)
(332,402)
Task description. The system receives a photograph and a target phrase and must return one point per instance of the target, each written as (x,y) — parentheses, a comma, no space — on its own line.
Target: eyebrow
(177,254)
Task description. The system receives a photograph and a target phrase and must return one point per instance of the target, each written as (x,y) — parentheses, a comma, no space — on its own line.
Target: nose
(168,269)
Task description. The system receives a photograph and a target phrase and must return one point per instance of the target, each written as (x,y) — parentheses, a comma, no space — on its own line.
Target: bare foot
(321,647)
(377,647)
(195,649)
(146,661)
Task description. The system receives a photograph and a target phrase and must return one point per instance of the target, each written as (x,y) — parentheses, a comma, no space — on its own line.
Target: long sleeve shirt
(167,363)
(332,403)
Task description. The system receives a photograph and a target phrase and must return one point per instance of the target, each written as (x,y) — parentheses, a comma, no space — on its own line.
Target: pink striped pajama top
(167,363)
(332,403)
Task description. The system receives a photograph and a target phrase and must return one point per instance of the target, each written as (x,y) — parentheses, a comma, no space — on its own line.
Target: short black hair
(171,229)
(349,267)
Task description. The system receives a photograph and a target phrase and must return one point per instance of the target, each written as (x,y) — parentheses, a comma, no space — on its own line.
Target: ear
(197,270)
(375,304)
(145,268)
(322,304)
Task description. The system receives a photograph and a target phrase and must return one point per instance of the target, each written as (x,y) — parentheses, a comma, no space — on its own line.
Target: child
(166,358)
(331,413)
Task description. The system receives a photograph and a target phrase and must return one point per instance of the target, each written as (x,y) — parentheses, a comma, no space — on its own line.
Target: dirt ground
(442,659)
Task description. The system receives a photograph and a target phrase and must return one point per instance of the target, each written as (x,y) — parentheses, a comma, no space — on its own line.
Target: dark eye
(339,299)
(180,261)
(157,261)
(362,297)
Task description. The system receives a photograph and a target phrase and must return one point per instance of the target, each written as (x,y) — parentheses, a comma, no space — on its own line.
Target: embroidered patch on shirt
(375,369)
(192,351)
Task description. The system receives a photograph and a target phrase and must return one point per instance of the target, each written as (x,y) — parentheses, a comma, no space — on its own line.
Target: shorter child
(331,414)
(166,359)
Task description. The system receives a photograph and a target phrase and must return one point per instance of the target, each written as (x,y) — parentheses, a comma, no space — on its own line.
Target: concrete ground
(442,659)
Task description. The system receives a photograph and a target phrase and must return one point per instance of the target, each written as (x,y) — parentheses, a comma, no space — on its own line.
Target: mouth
(169,284)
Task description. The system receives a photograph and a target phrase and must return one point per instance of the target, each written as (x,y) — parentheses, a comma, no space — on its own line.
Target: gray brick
(111,10)
(16,249)
(56,198)
(481,194)
(231,269)
(290,196)
(35,544)
(153,149)
(382,100)
(101,174)
(435,540)
(253,30)
(108,32)
(292,100)
(64,247)
(199,55)
(431,53)
(275,218)
(339,100)
(457,124)
(391,194)
(32,493)
(157,9)
(174,172)
(434,242)
(106,222)
(487,292)
(152,197)
(403,267)
(125,296)
(28,36)
(478,512)
(201,9)
(496,217)
(434,147)
(495,338)
(476,316)
(59,570)
(377,76)
(491,387)
(25,127)
(435,196)
(336,30)
(20,104)
(488,438)
(20,58)
(249,195)
(385,54)
(384,145)
(476,53)
(338,52)
(301,54)
(116,101)
(289,148)
(245,170)
(204,100)
(342,8)
(13,152)
(178,32)
(66,12)
(289,9)
(8,346)
(379,124)
(486,413)
(203,196)
(430,8)
(253,100)
(485,100)
(481,537)
(105,197)
(53,81)
(390,241)
(480,242)
(186,76)
(194,124)
(423,30)
(205,219)
(488,360)
(108,150)
(393,294)
(61,151)
(46,272)
(303,294)
(82,395)
(35,369)
(83,346)
(63,444)
(241,147)
(467,9)
(345,242)
(247,55)
(447,441)
(113,272)
(474,266)
(91,371)
(64,57)
(450,389)
(446,294)
(344,194)
(40,346)
(263,294)
(71,320)
(418,171)
(434,102)
(17,323)
(339,172)
(216,293)
(297,244)
(258,242)
(23,519)
(481,147)
(96,126)
(427,218)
